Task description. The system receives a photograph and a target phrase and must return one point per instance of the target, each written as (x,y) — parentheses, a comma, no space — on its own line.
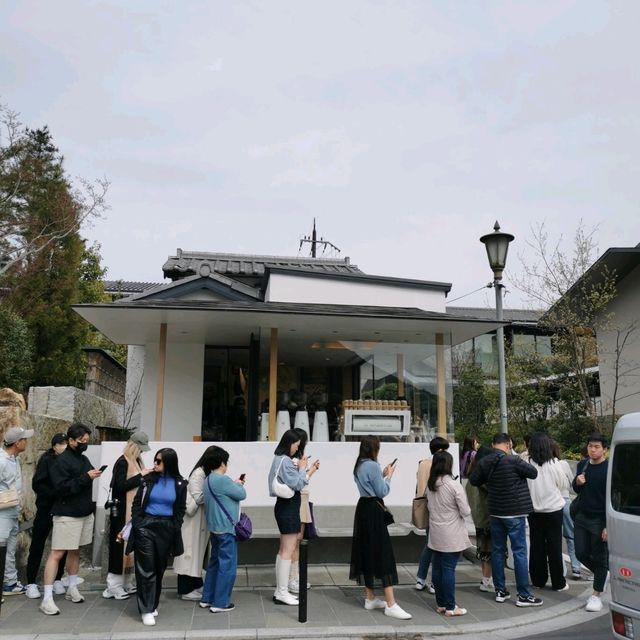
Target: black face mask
(81,447)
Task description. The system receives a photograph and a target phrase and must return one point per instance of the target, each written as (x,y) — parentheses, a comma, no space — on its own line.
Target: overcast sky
(405,128)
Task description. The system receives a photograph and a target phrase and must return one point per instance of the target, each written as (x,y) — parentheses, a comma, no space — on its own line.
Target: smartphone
(393,464)
(242,475)
(103,467)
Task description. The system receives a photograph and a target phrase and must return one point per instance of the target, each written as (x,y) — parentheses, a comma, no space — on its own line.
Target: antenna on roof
(314,242)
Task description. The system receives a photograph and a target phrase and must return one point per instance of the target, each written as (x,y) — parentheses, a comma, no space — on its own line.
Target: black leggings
(42,525)
(153,542)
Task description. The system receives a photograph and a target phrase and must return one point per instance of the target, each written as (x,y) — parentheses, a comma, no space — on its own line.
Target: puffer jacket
(506,480)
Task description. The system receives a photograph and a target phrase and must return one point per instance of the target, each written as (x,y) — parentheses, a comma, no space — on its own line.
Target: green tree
(16,350)
(474,402)
(48,278)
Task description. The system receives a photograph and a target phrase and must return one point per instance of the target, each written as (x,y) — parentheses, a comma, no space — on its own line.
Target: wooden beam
(400,374)
(441,386)
(273,383)
(162,362)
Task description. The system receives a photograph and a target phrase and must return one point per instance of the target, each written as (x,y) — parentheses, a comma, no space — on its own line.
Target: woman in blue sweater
(287,510)
(372,558)
(156,523)
(222,497)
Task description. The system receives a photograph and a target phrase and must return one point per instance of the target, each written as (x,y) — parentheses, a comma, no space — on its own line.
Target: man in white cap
(15,442)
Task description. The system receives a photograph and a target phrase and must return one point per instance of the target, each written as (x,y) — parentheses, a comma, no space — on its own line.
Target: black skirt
(372,560)
(287,512)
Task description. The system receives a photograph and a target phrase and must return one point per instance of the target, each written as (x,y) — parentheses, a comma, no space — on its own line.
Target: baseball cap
(59,438)
(141,439)
(11,436)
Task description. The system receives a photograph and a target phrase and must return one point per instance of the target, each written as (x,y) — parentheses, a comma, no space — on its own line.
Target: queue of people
(155,514)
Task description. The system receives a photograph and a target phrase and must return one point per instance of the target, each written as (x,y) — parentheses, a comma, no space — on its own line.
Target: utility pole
(314,242)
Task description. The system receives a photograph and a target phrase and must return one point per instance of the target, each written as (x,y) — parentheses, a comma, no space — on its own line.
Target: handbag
(420,513)
(387,515)
(280,489)
(125,532)
(9,498)
(310,530)
(243,528)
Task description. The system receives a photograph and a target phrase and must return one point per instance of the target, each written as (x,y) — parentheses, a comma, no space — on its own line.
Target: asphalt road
(598,629)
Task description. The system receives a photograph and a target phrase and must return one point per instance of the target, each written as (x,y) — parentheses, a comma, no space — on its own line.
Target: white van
(623,526)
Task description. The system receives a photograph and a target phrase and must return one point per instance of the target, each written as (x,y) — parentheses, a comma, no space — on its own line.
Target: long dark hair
(169,458)
(482,452)
(209,460)
(540,448)
(441,465)
(303,442)
(369,449)
(289,437)
(469,443)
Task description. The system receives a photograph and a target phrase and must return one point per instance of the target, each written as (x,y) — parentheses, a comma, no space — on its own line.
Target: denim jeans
(515,529)
(425,559)
(443,573)
(567,532)
(9,532)
(221,572)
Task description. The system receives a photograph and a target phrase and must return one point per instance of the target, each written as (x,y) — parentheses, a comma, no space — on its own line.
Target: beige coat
(448,507)
(424,469)
(194,529)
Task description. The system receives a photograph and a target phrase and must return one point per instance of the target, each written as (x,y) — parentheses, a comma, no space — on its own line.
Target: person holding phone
(127,475)
(195,534)
(305,515)
(372,557)
(72,477)
(287,510)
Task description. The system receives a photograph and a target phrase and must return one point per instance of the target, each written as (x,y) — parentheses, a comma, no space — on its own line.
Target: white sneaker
(65,580)
(431,588)
(155,613)
(194,595)
(284,597)
(397,612)
(58,588)
(376,603)
(74,595)
(594,603)
(420,584)
(148,619)
(118,592)
(487,586)
(294,586)
(48,607)
(32,591)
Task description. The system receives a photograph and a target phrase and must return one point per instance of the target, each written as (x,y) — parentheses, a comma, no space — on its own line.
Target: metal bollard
(3,558)
(302,594)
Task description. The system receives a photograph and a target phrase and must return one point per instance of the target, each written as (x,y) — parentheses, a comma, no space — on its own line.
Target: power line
(486,286)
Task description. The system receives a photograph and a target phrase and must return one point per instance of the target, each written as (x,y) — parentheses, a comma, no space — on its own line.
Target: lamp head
(497,245)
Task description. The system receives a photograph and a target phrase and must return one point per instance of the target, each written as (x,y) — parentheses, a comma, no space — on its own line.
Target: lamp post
(497,245)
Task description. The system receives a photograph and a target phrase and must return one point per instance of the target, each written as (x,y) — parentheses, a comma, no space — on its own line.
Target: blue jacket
(229,493)
(369,480)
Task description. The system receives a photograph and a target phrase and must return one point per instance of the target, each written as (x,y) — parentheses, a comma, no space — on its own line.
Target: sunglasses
(157,461)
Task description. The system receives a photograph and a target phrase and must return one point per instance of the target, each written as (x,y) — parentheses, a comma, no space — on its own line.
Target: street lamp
(497,245)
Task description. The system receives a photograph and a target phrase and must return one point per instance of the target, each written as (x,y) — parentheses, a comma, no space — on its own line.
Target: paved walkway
(335,609)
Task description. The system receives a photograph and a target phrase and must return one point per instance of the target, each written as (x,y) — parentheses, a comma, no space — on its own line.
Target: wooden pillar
(162,361)
(400,374)
(441,386)
(273,383)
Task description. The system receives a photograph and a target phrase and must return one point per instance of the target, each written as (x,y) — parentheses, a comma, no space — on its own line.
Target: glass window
(543,345)
(625,480)
(523,344)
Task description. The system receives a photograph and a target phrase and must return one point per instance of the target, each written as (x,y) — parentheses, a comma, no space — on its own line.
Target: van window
(625,479)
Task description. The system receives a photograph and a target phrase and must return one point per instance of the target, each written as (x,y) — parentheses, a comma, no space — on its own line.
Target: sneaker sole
(529,604)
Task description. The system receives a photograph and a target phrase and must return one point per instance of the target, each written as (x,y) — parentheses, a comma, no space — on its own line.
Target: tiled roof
(510,315)
(127,287)
(202,263)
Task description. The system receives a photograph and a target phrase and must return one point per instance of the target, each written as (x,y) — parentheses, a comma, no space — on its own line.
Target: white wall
(626,311)
(183,388)
(333,484)
(292,288)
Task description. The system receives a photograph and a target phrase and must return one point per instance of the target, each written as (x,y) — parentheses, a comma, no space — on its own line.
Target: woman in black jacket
(127,475)
(43,521)
(156,522)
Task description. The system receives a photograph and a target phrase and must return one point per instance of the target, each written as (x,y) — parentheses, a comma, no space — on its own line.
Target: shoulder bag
(279,488)
(9,498)
(420,512)
(243,528)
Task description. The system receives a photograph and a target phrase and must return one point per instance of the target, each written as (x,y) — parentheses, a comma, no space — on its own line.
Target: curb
(495,628)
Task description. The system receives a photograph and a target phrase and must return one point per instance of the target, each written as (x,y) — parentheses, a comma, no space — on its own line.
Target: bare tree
(19,239)
(576,297)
